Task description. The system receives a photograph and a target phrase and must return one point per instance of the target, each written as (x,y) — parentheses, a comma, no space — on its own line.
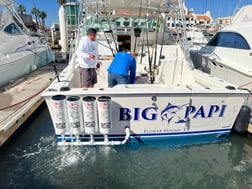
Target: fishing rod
(155,42)
(153,55)
(148,49)
(107,39)
(110,28)
(137,30)
(148,45)
(156,37)
(154,45)
(142,49)
(162,45)
(100,22)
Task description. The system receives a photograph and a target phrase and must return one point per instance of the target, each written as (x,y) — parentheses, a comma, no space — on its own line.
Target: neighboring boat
(228,54)
(196,39)
(169,101)
(20,53)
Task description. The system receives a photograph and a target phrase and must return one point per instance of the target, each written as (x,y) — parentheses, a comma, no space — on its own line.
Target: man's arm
(133,72)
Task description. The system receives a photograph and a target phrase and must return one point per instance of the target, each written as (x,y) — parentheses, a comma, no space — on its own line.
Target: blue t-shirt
(122,64)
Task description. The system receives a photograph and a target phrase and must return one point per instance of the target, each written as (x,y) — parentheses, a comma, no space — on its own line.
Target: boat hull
(16,65)
(160,116)
(172,138)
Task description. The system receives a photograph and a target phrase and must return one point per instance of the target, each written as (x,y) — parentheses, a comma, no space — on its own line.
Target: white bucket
(58,108)
(90,114)
(104,114)
(74,115)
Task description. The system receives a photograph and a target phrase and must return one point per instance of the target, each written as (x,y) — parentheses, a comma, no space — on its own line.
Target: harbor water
(32,159)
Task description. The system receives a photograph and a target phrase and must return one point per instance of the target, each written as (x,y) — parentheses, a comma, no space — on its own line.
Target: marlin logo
(171,113)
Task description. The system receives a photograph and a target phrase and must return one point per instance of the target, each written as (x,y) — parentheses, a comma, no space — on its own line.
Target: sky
(218,8)
(51,7)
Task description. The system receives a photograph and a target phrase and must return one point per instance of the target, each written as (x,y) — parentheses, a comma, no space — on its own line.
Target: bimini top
(150,5)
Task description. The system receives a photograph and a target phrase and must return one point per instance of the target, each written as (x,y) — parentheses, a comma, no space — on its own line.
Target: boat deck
(20,98)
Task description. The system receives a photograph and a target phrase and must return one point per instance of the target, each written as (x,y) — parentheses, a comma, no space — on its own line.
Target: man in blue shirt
(118,71)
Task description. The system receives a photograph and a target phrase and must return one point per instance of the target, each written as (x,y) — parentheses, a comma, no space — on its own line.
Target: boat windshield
(229,40)
(120,23)
(6,16)
(8,22)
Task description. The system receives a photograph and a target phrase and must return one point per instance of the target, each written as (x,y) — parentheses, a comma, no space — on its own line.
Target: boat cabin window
(118,24)
(126,23)
(12,29)
(229,40)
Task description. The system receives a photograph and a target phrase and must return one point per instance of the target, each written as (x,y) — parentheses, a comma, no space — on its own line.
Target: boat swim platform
(22,97)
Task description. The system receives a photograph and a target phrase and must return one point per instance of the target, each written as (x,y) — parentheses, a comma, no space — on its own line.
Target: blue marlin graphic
(170,113)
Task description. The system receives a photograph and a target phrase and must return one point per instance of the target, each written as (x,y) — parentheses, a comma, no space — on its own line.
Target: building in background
(223,21)
(55,35)
(204,20)
(72,12)
(193,21)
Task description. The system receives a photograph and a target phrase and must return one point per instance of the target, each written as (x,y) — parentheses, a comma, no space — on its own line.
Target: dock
(20,98)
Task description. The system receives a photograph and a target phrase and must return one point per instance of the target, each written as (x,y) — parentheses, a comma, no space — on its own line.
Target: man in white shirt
(87,53)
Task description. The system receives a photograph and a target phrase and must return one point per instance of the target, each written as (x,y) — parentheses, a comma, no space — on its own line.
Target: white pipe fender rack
(92,142)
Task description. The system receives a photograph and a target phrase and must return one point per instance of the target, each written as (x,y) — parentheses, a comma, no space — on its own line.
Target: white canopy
(151,5)
(243,17)
(242,23)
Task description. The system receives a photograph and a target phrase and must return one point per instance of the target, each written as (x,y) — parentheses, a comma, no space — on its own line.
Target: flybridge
(151,5)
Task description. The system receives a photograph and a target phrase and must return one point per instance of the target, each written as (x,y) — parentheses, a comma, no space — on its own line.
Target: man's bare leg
(89,86)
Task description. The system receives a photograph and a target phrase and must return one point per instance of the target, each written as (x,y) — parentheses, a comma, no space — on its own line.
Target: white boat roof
(242,23)
(151,5)
(243,17)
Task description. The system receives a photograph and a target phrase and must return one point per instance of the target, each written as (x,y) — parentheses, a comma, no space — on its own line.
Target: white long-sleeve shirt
(85,48)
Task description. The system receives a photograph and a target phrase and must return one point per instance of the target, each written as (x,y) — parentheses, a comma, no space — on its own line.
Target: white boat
(228,54)
(171,100)
(20,53)
(196,39)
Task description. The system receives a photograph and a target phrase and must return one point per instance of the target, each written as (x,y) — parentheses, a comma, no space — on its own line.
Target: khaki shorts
(88,76)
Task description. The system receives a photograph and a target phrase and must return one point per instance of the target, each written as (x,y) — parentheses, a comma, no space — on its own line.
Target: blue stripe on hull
(196,136)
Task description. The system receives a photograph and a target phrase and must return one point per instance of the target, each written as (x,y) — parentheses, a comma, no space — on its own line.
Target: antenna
(236,9)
